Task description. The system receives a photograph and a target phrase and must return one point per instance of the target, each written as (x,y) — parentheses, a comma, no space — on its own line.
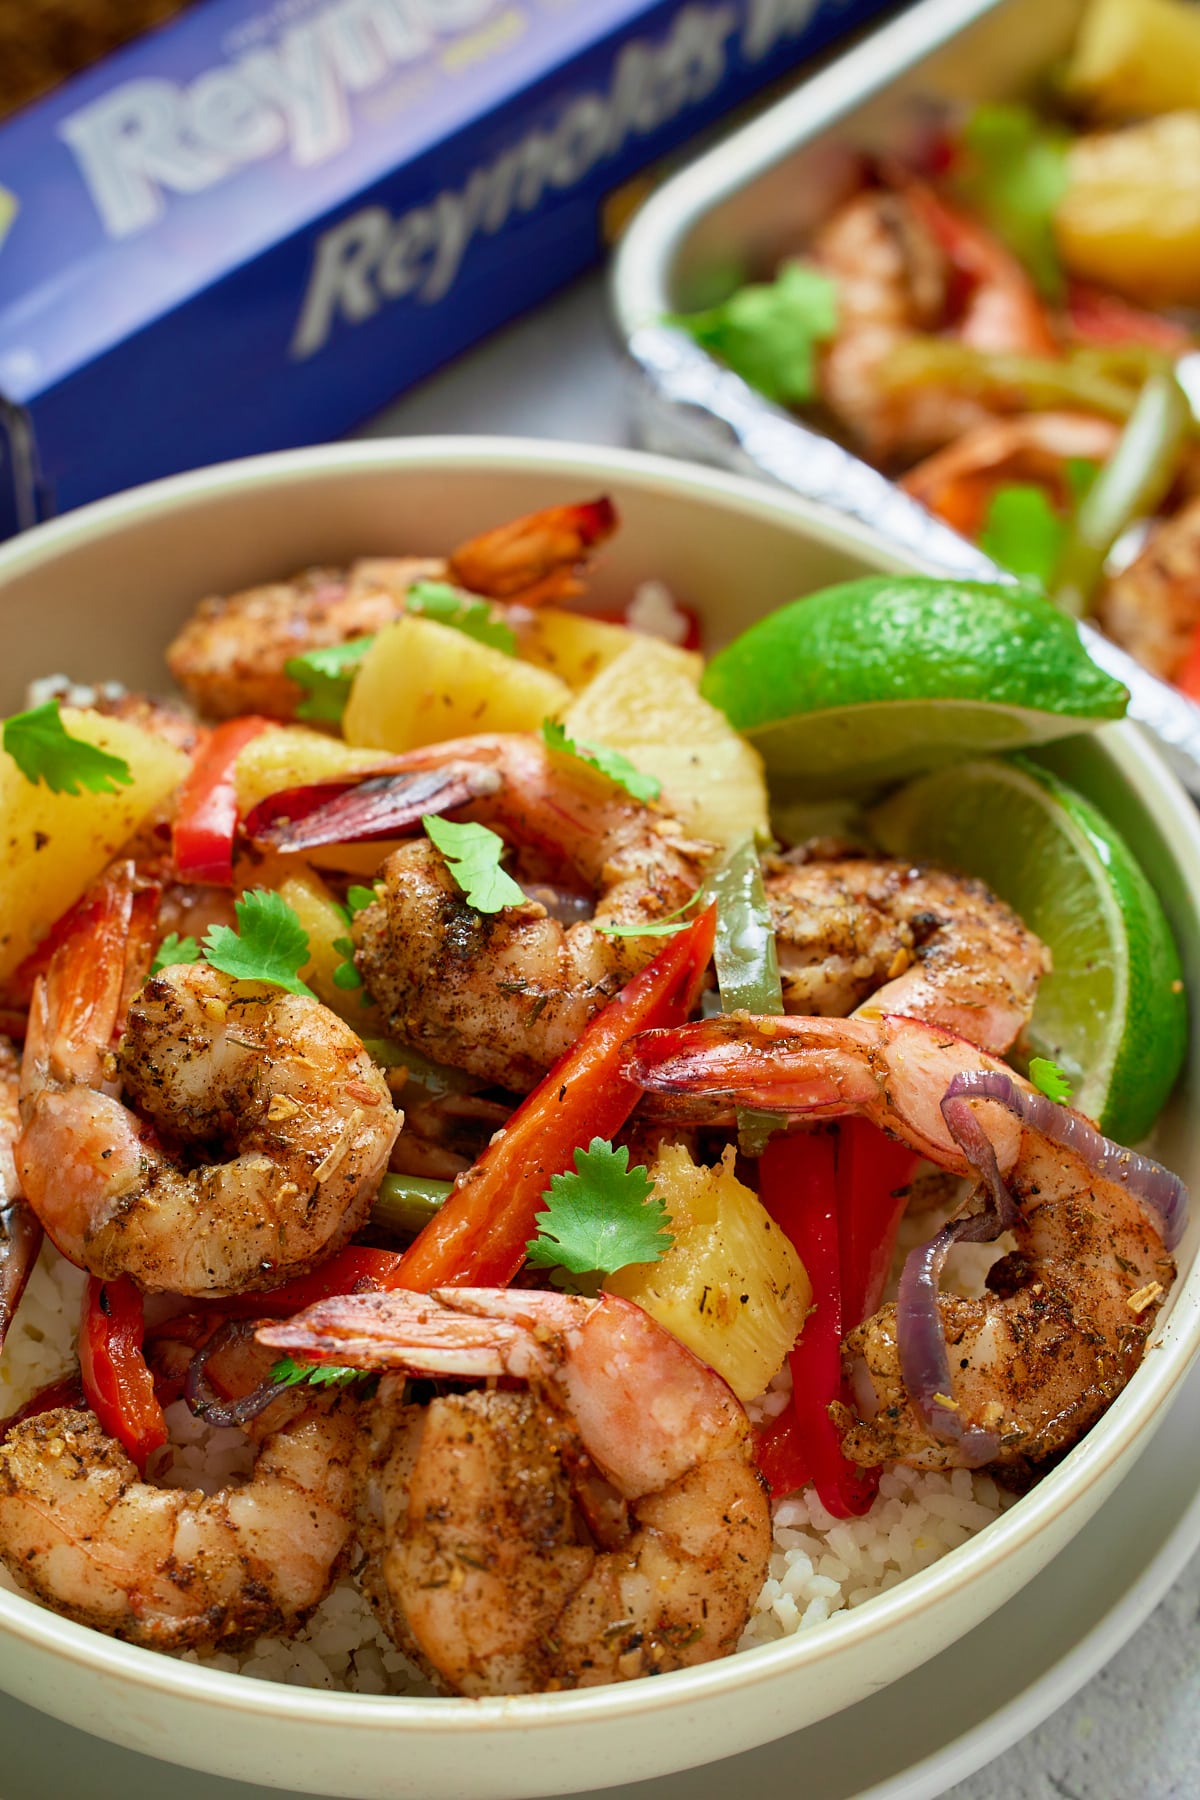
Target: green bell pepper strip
(1130,486)
(747,966)
(405,1204)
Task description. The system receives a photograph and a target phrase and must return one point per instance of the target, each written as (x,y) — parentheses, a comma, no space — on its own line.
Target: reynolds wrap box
(252,227)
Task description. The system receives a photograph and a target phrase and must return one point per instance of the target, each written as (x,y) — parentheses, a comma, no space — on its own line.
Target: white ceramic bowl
(99,594)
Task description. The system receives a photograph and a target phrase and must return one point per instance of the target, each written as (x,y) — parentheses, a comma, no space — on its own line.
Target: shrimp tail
(382,806)
(20,1242)
(474,1332)
(890,1069)
(78,1007)
(536,558)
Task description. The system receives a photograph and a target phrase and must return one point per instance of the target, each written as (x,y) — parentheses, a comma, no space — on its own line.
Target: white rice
(819,1565)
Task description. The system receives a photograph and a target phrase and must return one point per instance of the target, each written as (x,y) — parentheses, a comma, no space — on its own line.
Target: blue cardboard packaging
(253,226)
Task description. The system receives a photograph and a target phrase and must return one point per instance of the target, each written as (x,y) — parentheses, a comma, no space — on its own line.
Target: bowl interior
(100,593)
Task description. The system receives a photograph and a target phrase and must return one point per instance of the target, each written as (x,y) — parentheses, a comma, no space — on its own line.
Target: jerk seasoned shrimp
(304,1119)
(505,994)
(893,256)
(467,1505)
(172,1568)
(1024,1371)
(20,1233)
(230,656)
(1152,607)
(942,946)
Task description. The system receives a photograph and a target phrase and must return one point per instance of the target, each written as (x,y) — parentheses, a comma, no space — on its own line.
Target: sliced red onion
(203,1398)
(1161,1193)
(382,806)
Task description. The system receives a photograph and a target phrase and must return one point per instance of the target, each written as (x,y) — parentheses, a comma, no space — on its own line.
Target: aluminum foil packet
(253,226)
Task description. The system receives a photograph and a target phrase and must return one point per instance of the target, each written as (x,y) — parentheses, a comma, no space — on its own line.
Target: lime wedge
(886,677)
(1112,1012)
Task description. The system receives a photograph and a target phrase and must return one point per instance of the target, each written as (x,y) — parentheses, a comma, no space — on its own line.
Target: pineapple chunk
(577,648)
(731,1287)
(325,922)
(1130,216)
(55,844)
(1134,57)
(421,682)
(288,756)
(644,706)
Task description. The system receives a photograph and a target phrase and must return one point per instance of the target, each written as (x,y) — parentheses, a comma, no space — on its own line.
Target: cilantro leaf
(1050,1079)
(287,1372)
(175,949)
(1079,473)
(767,332)
(472,854)
(43,749)
(357,898)
(661,927)
(618,768)
(1016,175)
(345,975)
(1023,532)
(447,606)
(270,944)
(602,1217)
(327,675)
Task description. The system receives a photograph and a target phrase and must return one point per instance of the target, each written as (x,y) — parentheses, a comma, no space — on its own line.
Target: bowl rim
(1140,1407)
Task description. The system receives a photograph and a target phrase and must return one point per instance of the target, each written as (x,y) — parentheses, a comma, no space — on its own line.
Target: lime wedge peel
(1112,1012)
(881,678)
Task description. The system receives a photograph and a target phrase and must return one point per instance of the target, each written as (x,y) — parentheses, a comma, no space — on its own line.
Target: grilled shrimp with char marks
(467,1504)
(897,937)
(172,1568)
(1032,1364)
(262,1130)
(230,657)
(505,994)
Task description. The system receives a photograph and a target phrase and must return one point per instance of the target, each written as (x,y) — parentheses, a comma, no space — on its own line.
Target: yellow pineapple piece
(731,1287)
(421,682)
(576,647)
(56,844)
(643,705)
(1130,216)
(289,756)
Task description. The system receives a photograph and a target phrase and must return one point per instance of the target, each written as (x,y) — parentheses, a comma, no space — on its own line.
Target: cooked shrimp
(942,946)
(958,482)
(20,1233)
(1152,607)
(274,1078)
(892,256)
(505,994)
(467,1506)
(170,1568)
(230,656)
(1031,1365)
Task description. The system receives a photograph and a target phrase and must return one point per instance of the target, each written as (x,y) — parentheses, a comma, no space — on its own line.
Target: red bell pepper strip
(781,1457)
(478,1237)
(116,1380)
(873,1171)
(1187,675)
(354,1270)
(798,1186)
(207,816)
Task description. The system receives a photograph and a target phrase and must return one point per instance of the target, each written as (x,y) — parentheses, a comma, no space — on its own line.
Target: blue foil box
(252,227)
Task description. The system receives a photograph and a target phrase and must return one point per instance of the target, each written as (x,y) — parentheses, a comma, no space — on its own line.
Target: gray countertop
(1132,1730)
